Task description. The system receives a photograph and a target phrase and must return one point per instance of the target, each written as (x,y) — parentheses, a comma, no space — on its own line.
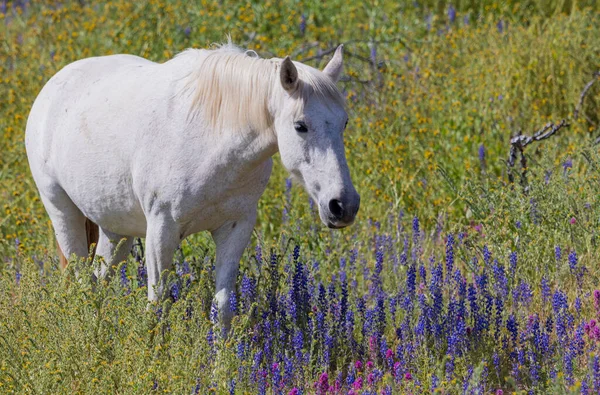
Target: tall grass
(435,91)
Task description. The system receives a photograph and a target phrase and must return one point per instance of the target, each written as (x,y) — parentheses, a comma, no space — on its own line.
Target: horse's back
(65,92)
(71,139)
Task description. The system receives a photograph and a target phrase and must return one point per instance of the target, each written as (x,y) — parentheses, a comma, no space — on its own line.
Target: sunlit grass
(434,95)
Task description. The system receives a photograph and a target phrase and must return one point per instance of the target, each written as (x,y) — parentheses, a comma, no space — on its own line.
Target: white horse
(163,151)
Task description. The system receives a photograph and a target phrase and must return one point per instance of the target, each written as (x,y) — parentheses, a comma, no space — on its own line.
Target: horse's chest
(208,205)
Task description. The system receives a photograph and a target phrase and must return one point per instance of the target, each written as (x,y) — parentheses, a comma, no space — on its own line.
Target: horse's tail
(91,231)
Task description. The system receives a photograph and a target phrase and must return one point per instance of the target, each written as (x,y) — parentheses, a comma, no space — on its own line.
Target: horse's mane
(231,88)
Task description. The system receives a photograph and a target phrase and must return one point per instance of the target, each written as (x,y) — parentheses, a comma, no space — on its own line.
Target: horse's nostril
(336,208)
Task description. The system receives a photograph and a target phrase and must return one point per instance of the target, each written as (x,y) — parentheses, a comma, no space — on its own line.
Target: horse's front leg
(231,240)
(162,239)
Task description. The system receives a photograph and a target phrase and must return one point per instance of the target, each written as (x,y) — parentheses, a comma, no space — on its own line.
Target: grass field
(453,279)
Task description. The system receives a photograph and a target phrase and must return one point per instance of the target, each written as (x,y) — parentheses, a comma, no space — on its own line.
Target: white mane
(231,87)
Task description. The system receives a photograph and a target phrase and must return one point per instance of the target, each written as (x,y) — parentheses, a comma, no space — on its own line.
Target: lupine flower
(174,292)
(482,156)
(546,293)
(302,24)
(233,305)
(487,255)
(214,312)
(451,13)
(513,263)
(262,382)
(500,26)
(449,254)
(142,274)
(247,291)
(416,229)
(450,368)
(572,260)
(596,373)
(512,326)
(373,53)
(597,301)
(323,384)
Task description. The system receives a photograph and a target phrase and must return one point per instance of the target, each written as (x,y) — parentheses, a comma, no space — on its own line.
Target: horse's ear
(336,64)
(288,75)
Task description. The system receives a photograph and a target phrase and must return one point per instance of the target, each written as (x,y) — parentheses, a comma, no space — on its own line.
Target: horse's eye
(300,127)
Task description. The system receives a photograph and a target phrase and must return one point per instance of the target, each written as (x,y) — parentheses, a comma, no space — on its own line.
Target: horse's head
(309,122)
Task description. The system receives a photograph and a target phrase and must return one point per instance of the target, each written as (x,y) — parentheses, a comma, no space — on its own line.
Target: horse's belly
(107,200)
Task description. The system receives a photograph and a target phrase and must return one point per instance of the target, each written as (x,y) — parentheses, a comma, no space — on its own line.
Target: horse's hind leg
(91,231)
(112,248)
(68,222)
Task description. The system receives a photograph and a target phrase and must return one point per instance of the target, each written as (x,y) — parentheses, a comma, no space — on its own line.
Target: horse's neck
(244,151)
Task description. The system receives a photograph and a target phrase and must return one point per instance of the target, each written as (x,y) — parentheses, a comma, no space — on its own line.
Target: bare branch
(584,92)
(346,52)
(520,141)
(303,49)
(319,55)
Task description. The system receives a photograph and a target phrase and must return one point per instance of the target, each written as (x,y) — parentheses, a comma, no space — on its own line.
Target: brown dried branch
(520,141)
(346,44)
(584,92)
(319,55)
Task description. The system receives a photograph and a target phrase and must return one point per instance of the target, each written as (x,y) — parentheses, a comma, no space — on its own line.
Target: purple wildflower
(572,260)
(303,24)
(373,54)
(323,384)
(482,156)
(451,13)
(449,254)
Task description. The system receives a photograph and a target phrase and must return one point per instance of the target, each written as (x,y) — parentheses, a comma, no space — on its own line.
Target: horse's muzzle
(340,213)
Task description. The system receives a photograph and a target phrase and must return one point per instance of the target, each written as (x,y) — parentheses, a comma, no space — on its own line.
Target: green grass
(419,113)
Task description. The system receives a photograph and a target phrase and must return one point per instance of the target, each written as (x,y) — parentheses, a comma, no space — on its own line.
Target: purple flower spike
(323,384)
(482,155)
(451,13)
(303,24)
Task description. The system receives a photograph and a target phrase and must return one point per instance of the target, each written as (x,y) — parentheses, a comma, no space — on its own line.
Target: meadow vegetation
(452,280)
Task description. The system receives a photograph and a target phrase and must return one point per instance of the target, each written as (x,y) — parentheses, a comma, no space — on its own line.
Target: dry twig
(584,92)
(520,141)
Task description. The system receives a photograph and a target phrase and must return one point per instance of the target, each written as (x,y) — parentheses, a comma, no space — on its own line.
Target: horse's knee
(223,300)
